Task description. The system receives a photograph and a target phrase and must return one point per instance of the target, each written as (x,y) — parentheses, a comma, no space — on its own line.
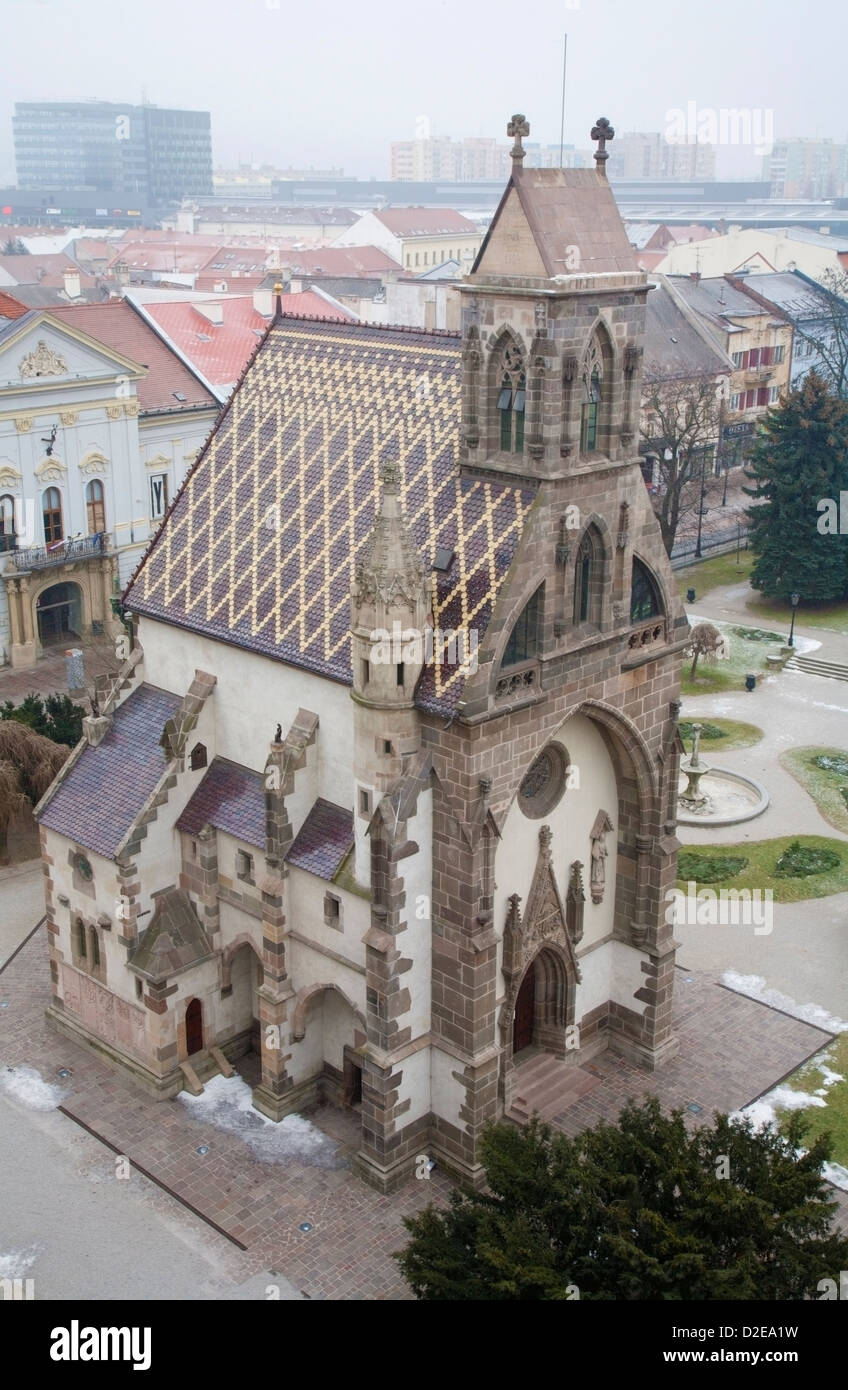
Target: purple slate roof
(323,841)
(104,792)
(230,798)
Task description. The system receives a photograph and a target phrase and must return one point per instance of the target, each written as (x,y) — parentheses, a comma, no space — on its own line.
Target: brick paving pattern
(49,674)
(732,1049)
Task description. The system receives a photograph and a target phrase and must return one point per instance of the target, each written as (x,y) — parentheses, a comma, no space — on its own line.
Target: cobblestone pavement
(49,674)
(347,1253)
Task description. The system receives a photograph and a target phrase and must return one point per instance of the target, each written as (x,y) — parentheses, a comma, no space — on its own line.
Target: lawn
(715,573)
(831,616)
(747,652)
(729,733)
(825,785)
(762,856)
(722,570)
(816,1077)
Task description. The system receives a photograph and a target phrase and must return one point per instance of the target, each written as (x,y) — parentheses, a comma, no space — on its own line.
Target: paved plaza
(259,1206)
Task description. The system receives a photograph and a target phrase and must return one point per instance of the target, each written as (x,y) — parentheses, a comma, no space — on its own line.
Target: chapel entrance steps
(546,1085)
(202,1066)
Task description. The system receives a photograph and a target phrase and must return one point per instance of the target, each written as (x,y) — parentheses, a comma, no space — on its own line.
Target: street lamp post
(794,599)
(701,507)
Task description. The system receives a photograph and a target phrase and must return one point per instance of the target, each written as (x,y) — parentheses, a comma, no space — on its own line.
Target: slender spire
(391,566)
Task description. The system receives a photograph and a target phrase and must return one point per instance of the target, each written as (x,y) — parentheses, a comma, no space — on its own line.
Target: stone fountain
(692,797)
(725,798)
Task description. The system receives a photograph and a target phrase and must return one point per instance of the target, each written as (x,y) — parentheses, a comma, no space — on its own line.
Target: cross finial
(518,126)
(602,131)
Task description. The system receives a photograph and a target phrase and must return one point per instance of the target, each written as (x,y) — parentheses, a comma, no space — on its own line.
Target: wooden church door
(525,1009)
(194,1027)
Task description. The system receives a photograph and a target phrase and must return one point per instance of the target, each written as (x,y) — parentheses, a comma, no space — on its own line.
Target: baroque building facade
(99,422)
(386,790)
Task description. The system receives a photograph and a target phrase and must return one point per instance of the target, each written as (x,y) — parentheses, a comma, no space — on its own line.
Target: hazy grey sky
(332,82)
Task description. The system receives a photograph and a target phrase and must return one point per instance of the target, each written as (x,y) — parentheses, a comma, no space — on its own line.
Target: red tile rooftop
(11,308)
(121,327)
(220,351)
(425,221)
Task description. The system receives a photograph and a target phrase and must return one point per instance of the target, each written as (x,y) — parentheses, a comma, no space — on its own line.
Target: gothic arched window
(588,578)
(589,413)
(523,643)
(512,395)
(95,949)
(645,601)
(80,931)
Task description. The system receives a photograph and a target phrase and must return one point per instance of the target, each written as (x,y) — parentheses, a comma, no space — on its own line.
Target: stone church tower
(579,668)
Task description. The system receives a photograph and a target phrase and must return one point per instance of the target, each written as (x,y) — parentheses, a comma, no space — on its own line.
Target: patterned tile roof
(107,787)
(323,841)
(261,543)
(230,798)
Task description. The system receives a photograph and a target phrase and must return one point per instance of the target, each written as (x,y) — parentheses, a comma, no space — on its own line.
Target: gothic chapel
(396,876)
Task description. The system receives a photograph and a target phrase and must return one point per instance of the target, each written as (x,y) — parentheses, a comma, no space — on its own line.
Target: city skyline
(346,99)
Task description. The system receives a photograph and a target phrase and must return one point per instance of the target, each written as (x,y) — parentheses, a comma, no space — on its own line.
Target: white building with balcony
(100,421)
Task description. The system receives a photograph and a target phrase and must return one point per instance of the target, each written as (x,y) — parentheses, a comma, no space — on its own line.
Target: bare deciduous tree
(681,419)
(705,641)
(829,338)
(28,764)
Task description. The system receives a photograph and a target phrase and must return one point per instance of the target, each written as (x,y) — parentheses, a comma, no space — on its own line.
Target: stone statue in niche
(574,901)
(598,876)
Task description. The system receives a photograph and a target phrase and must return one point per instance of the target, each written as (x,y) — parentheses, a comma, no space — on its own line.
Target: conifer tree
(642,1209)
(799,461)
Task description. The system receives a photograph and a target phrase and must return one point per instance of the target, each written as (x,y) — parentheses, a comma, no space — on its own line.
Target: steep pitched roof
(562,209)
(120,327)
(323,841)
(229,798)
(107,787)
(261,543)
(675,348)
(174,939)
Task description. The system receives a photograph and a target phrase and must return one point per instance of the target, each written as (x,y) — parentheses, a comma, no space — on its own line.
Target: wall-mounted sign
(158,495)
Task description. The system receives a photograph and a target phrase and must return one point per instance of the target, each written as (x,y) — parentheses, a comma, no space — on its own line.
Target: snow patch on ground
(763,1112)
(754,987)
(835,1173)
(228,1104)
(15,1264)
(24,1084)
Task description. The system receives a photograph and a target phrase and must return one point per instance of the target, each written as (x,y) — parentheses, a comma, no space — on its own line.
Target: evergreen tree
(641,1209)
(56,717)
(800,459)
